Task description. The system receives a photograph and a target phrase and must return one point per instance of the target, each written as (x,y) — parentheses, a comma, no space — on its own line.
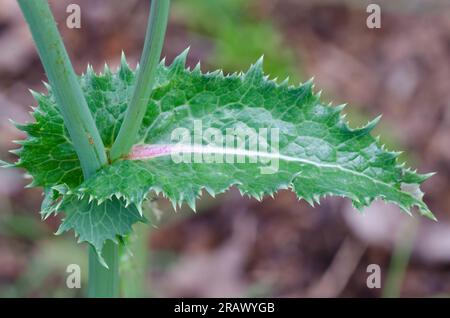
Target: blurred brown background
(235,246)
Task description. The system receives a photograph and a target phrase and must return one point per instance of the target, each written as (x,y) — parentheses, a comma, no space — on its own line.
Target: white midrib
(147,152)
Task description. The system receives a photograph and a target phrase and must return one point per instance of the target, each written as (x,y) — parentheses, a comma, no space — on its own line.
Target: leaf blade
(318,153)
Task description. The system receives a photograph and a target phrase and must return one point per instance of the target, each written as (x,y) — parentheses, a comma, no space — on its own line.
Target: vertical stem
(66,87)
(400,260)
(151,55)
(78,121)
(133,269)
(104,282)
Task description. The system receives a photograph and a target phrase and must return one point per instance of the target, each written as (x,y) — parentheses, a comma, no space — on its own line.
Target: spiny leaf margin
(108,95)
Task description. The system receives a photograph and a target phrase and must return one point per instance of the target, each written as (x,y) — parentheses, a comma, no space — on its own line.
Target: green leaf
(96,223)
(317,154)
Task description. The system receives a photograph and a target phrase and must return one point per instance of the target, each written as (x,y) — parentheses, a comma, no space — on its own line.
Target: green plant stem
(151,55)
(67,90)
(78,121)
(400,260)
(134,261)
(104,282)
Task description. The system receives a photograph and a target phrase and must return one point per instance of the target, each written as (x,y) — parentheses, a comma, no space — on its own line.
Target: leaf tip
(180,61)
(4,164)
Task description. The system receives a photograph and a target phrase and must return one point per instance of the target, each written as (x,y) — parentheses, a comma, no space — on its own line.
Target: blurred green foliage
(239,36)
